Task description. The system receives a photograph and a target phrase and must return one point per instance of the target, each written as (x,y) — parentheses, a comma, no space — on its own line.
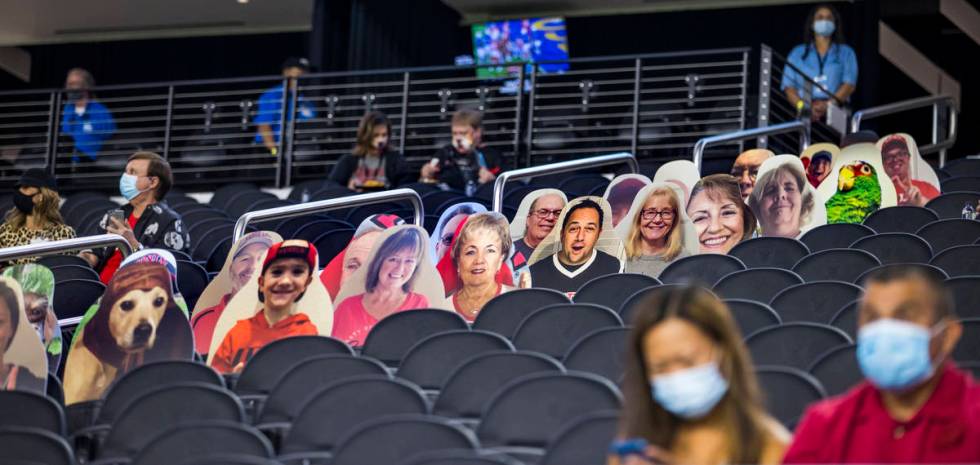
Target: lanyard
(822,60)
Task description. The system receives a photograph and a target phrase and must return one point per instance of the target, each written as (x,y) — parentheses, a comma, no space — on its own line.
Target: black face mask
(24,203)
(74,95)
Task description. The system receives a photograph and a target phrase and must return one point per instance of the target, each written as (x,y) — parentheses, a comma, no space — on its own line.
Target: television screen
(501,43)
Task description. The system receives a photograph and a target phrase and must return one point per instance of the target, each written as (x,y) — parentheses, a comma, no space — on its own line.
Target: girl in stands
(35,216)
(690,392)
(720,217)
(373,165)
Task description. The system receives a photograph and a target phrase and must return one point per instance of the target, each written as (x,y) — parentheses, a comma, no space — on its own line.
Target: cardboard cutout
(634,228)
(721,218)
(681,173)
(355,254)
(37,285)
(24,366)
(915,181)
(818,161)
(442,235)
(478,257)
(398,276)
(852,200)
(785,204)
(311,313)
(521,251)
(621,192)
(137,322)
(237,271)
(447,267)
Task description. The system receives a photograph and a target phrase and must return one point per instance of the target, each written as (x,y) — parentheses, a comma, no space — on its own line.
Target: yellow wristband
(799,105)
(275,151)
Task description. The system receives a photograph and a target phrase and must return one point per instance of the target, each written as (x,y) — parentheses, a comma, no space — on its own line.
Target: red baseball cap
(293,248)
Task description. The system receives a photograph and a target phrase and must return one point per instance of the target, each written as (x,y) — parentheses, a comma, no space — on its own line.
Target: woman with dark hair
(690,390)
(36,215)
(825,59)
(720,217)
(372,165)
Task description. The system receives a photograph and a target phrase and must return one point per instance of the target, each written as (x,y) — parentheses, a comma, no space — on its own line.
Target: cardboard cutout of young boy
(137,322)
(818,160)
(37,283)
(620,194)
(915,181)
(283,299)
(237,271)
(784,202)
(681,173)
(645,228)
(536,217)
(355,254)
(857,186)
(398,276)
(442,235)
(24,366)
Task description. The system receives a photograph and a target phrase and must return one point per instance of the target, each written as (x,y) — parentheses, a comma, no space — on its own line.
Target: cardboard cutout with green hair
(37,283)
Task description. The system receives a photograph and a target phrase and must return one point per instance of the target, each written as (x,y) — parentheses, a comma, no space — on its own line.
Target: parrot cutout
(858,194)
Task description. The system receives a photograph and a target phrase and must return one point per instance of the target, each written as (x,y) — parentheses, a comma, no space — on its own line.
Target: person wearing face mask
(36,216)
(467,162)
(149,222)
(269,115)
(721,219)
(373,165)
(915,405)
(87,121)
(690,392)
(825,59)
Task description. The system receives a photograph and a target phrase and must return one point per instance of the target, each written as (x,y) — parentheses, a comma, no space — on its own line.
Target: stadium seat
(433,200)
(72,298)
(966,295)
(846,319)
(704,270)
(963,260)
(751,315)
(788,391)
(403,436)
(461,457)
(198,228)
(961,184)
(190,440)
(245,202)
(54,389)
(432,359)
(553,330)
(835,265)
(579,185)
(759,284)
(203,246)
(287,228)
(963,167)
(968,348)
(837,370)
(944,234)
(228,459)
(895,248)
(611,290)
(583,441)
(391,338)
(815,302)
(52,261)
(770,252)
(504,313)
(272,361)
(950,205)
(311,230)
(66,272)
(192,279)
(635,301)
(834,236)
(795,345)
(904,219)
(330,244)
(26,409)
(929,269)
(600,352)
(32,446)
(226,193)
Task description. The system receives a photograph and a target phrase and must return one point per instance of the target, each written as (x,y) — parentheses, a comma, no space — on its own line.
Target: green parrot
(858,194)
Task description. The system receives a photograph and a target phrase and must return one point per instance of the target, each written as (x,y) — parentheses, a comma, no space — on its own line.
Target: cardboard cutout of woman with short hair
(354,256)
(621,192)
(784,202)
(721,218)
(656,230)
(476,270)
(23,365)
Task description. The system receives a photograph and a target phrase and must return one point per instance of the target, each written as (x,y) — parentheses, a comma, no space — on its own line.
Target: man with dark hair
(146,221)
(897,159)
(467,162)
(578,261)
(269,115)
(915,405)
(88,122)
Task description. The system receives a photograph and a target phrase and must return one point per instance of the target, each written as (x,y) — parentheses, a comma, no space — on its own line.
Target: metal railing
(747,134)
(66,245)
(558,168)
(321,206)
(937,103)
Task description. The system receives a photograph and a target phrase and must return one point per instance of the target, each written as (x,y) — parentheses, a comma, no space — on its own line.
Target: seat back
(471,385)
(191,440)
(968,348)
(943,234)
(963,260)
(834,236)
(950,204)
(895,248)
(73,297)
(601,352)
(151,376)
(584,441)
(770,252)
(26,409)
(816,302)
(267,366)
(391,338)
(432,359)
(33,446)
(504,313)
(961,183)
(751,315)
(903,219)
(788,391)
(553,330)
(924,268)
(795,345)
(835,265)
(966,295)
(846,319)
(191,280)
(611,290)
(635,302)
(705,269)
(759,284)
(403,436)
(837,370)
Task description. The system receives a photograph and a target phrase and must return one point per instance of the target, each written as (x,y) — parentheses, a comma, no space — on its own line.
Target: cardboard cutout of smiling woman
(283,299)
(37,284)
(137,322)
(442,235)
(681,173)
(237,271)
(720,216)
(355,254)
(915,181)
(24,366)
(621,192)
(582,246)
(398,276)
(535,218)
(818,160)
(475,270)
(784,202)
(656,230)
(857,186)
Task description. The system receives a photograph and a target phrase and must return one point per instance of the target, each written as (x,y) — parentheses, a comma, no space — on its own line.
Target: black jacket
(396,169)
(160,227)
(455,169)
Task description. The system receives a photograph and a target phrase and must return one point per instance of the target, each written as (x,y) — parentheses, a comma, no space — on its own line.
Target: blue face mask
(824,27)
(894,354)
(127,186)
(690,393)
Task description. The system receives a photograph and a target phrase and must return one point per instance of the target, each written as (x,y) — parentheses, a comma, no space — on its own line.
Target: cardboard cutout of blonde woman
(621,192)
(137,322)
(24,367)
(681,173)
(582,246)
(915,181)
(536,217)
(442,235)
(785,204)
(656,230)
(857,186)
(818,160)
(398,276)
(37,285)
(237,271)
(283,299)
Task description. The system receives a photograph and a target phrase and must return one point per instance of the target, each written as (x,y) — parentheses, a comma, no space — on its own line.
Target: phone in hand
(118,214)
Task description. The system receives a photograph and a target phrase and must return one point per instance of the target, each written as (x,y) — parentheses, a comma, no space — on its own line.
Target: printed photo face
(135,317)
(7,328)
(544,215)
(718,221)
(656,218)
(284,282)
(357,252)
(397,269)
(480,257)
(783,200)
(23,363)
(240,268)
(580,235)
(244,263)
(895,156)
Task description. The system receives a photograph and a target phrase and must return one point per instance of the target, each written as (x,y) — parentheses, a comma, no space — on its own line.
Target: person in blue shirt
(269,115)
(823,57)
(88,122)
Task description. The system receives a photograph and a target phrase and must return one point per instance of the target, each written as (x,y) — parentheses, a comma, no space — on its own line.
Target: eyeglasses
(446,240)
(545,213)
(738,172)
(650,214)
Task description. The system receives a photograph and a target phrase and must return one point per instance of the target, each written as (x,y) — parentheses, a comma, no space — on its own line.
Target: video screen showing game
(534,40)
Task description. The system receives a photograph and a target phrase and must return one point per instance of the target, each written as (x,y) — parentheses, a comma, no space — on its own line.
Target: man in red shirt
(916,406)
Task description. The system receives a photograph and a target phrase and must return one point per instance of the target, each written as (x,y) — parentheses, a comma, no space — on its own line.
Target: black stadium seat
(504,313)
(72,298)
(705,269)
(834,236)
(31,446)
(330,244)
(944,234)
(432,359)
(26,409)
(960,184)
(403,436)
(963,260)
(950,205)
(929,269)
(635,301)
(795,345)
(788,391)
(759,284)
(272,361)
(600,352)
(815,302)
(770,252)
(905,219)
(224,194)
(52,261)
(583,441)
(553,330)
(391,338)
(966,295)
(846,318)
(189,440)
(192,279)
(968,348)
(837,370)
(751,316)
(611,290)
(66,272)
(895,248)
(835,264)
(963,167)
(461,457)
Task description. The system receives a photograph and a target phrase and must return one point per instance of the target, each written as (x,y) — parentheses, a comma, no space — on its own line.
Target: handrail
(934,101)
(320,206)
(557,168)
(66,245)
(746,134)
